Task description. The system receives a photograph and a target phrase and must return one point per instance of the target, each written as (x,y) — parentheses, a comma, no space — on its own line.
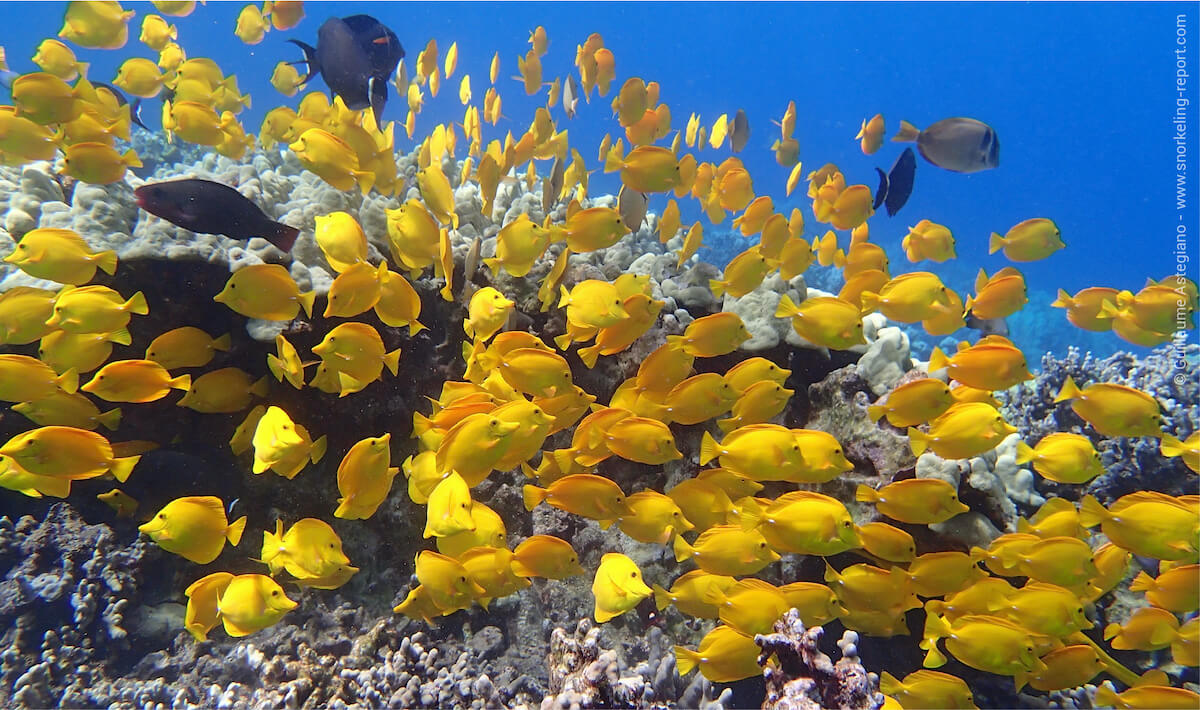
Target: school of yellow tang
(517,389)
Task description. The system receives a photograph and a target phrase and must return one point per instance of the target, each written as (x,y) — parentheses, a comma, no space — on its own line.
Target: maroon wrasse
(212,208)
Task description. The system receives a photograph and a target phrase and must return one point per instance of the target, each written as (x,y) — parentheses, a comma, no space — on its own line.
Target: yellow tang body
(251,603)
(265,291)
(60,255)
(1062,457)
(546,556)
(202,615)
(364,478)
(964,430)
(617,587)
(920,501)
(194,527)
(725,655)
(1114,410)
(134,381)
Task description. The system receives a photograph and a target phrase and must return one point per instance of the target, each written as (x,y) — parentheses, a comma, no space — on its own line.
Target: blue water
(1082,97)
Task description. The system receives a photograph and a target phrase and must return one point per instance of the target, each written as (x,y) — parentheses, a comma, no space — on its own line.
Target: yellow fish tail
(68,381)
(222,343)
(120,337)
(275,365)
(122,467)
(875,412)
(183,382)
(1064,300)
(318,449)
(995,243)
(717,287)
(686,660)
(866,494)
(392,361)
(1069,391)
(708,448)
(683,551)
(662,597)
(533,496)
(589,355)
(918,441)
(1025,453)
(1091,513)
(1171,447)
(111,419)
(234,532)
(137,304)
(306,302)
(870,302)
(1142,583)
(261,387)
(107,261)
(938,359)
(786,308)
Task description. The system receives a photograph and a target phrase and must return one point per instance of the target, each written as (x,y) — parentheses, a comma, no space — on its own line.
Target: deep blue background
(1081,95)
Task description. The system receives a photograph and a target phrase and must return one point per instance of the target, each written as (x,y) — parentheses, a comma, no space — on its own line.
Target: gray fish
(356,56)
(570,96)
(632,204)
(963,145)
(552,185)
(739,131)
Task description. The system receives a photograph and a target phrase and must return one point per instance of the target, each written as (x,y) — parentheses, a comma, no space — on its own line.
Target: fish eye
(274,592)
(162,516)
(847,523)
(837,452)
(22,246)
(762,545)
(232,285)
(462,579)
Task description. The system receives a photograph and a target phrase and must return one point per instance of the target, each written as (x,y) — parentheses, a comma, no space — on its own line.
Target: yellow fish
(964,430)
(96,25)
(282,445)
(1066,667)
(1065,561)
(711,336)
(491,569)
(751,605)
(689,592)
(1162,697)
(647,168)
(704,503)
(993,363)
(534,425)
(141,77)
(82,352)
(592,304)
(134,381)
(907,298)
(1148,629)
(803,523)
(758,404)
(928,240)
(194,527)
(534,371)
(1056,517)
(71,410)
(656,518)
(1145,523)
(332,159)
(438,195)
(724,655)
(763,452)
(98,163)
(446,580)
(223,391)
(594,228)
(286,79)
(519,244)
(95,309)
(1114,410)
(399,304)
(728,550)
(743,274)
(156,33)
(364,478)
(244,433)
(487,313)
(121,503)
(824,321)
(919,501)
(186,347)
(201,614)
(485,530)
(1084,309)
(870,136)
(999,296)
(617,587)
(309,549)
(23,314)
(448,510)
(60,255)
(251,25)
(341,240)
(887,542)
(582,494)
(27,379)
(265,291)
(753,370)
(284,14)
(987,643)
(1062,457)
(928,689)
(474,446)
(54,57)
(642,312)
(355,291)
(1031,240)
(940,574)
(354,355)
(286,364)
(252,602)
(1173,590)
(545,556)
(913,403)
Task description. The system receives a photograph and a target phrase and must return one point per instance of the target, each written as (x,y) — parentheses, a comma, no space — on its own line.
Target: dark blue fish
(896,186)
(356,56)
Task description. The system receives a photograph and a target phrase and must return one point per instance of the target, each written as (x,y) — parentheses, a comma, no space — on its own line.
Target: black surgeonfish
(356,56)
(896,186)
(212,208)
(963,145)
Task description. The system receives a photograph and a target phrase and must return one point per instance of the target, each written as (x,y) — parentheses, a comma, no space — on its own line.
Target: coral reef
(801,677)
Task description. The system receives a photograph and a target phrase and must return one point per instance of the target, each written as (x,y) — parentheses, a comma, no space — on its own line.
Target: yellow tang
(689,592)
(823,459)
(1148,629)
(711,336)
(491,569)
(223,391)
(309,549)
(96,25)
(1161,697)
(156,33)
(592,303)
(743,274)
(474,446)
(824,321)
(928,240)
(95,309)
(1056,517)
(1145,523)
(594,228)
(448,510)
(913,403)
(1174,590)
(364,478)
(803,523)
(341,240)
(1062,457)
(758,404)
(251,25)
(486,530)
(287,364)
(487,313)
(999,296)
(60,255)
(446,580)
(751,605)
(753,370)
(655,518)
(1031,240)
(987,643)
(27,379)
(251,603)
(582,494)
(697,399)
(728,550)
(763,452)
(1114,410)
(907,298)
(534,425)
(724,655)
(23,314)
(617,587)
(887,542)
(519,244)
(186,347)
(920,501)
(141,77)
(194,527)
(201,615)
(928,689)
(642,312)
(135,381)
(535,371)
(545,556)
(993,363)
(72,410)
(265,291)
(54,57)
(244,433)
(1066,667)
(939,574)
(703,502)
(964,430)
(1084,308)
(98,163)
(356,354)
(332,159)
